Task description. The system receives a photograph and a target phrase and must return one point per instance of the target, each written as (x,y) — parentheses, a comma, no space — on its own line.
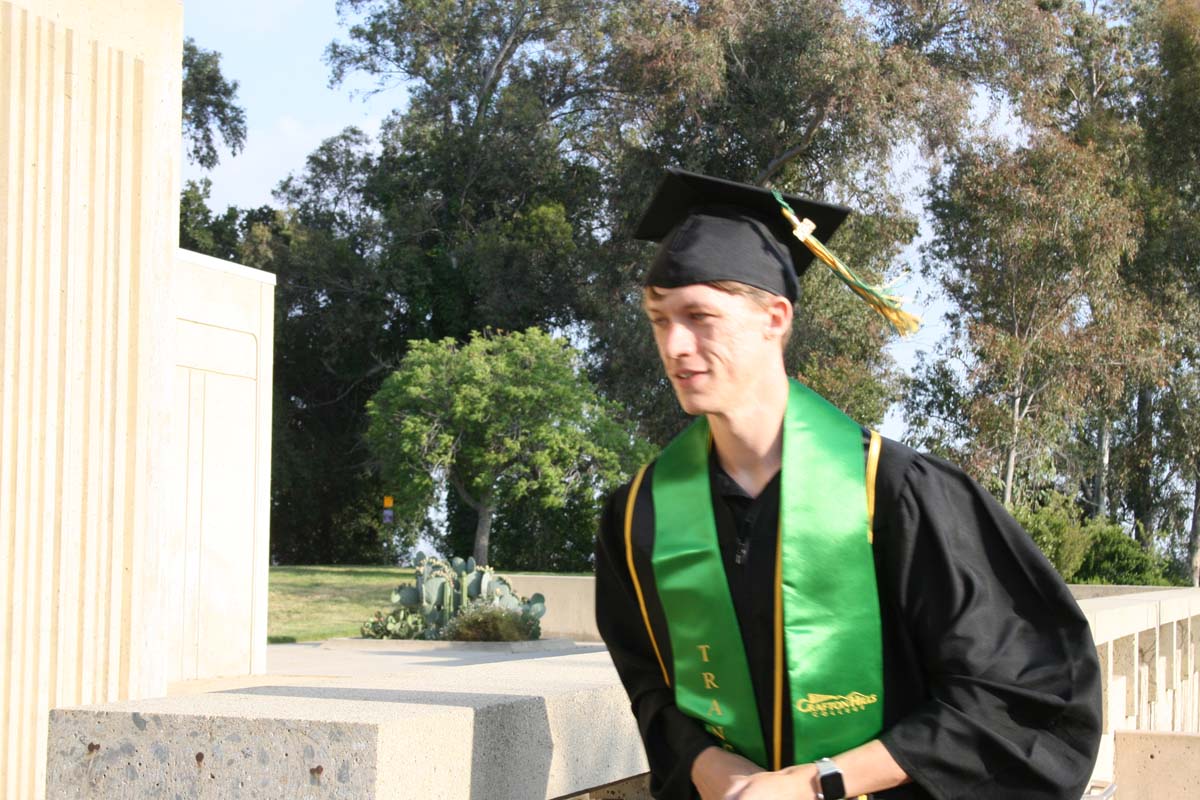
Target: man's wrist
(806,780)
(830,782)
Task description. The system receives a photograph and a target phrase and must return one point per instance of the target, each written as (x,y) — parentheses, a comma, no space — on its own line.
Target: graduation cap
(711,229)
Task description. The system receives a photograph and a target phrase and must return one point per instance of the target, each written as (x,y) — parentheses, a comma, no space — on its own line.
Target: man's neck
(749,439)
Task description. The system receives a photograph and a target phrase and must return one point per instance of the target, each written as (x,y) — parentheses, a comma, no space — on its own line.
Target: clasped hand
(721,775)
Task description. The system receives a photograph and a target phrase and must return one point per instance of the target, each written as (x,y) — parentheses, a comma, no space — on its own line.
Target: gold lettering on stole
(715,708)
(703,648)
(710,680)
(719,732)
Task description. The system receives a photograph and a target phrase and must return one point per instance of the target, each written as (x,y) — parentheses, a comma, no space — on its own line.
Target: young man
(799,608)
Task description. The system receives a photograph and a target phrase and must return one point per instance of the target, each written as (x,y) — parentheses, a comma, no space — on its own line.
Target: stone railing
(1149,644)
(372,720)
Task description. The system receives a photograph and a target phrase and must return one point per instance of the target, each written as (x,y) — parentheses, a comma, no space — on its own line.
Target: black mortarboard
(716,230)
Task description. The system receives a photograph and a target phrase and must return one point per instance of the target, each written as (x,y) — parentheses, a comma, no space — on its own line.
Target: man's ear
(779,318)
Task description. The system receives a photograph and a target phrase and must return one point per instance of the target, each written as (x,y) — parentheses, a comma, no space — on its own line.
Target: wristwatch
(832,787)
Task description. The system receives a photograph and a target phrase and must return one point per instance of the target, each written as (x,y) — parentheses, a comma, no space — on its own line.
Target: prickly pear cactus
(442,591)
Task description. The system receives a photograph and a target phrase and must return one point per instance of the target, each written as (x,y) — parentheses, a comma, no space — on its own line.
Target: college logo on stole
(826,599)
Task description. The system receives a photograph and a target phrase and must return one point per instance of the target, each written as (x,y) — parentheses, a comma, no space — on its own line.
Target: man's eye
(658,322)
(700,315)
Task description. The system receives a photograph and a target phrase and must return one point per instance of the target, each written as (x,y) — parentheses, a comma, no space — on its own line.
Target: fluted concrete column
(89,142)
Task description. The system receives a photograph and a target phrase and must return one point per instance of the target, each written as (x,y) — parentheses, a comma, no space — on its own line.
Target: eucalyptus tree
(818,98)
(1168,269)
(1027,246)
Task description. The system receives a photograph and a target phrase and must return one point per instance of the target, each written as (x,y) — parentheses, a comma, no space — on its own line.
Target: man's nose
(680,341)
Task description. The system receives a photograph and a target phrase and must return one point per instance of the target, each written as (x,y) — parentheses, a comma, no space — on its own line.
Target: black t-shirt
(991,679)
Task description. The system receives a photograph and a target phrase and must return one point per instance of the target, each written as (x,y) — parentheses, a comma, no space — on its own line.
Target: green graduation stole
(826,600)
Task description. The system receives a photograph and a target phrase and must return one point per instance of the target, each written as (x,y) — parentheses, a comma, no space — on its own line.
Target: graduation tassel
(876,297)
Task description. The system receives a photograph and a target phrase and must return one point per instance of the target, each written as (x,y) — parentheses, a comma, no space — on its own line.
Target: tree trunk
(1194,539)
(1142,473)
(1102,476)
(483,534)
(1010,467)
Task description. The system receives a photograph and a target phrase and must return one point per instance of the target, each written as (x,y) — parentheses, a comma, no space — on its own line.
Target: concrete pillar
(1166,671)
(1125,683)
(1147,682)
(89,183)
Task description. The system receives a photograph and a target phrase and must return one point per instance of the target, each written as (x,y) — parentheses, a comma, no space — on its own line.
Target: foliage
(1058,531)
(532,534)
(1027,246)
(201,230)
(443,591)
(501,418)
(502,195)
(1117,558)
(485,622)
(209,107)
(336,337)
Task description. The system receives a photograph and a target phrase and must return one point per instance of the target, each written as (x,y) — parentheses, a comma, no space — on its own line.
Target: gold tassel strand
(888,306)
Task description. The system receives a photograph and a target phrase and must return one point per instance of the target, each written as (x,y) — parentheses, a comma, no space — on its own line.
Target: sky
(274,49)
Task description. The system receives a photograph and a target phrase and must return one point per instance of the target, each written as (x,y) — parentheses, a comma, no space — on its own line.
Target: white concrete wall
(570,603)
(89,185)
(218,557)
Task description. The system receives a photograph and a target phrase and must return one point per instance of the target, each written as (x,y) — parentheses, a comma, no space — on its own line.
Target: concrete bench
(417,723)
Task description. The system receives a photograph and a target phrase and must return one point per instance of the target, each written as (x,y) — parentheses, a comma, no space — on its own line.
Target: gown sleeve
(1013,680)
(672,740)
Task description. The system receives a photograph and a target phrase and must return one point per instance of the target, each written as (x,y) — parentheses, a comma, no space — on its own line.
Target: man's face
(715,346)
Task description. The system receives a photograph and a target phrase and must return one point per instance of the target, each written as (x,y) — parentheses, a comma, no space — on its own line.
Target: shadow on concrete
(512,746)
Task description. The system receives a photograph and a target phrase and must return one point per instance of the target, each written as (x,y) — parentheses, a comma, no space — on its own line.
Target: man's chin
(692,404)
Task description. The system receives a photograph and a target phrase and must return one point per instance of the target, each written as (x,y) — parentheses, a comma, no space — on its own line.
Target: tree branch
(502,58)
(459,487)
(805,141)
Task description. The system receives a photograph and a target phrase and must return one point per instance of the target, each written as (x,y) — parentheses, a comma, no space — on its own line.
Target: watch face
(832,787)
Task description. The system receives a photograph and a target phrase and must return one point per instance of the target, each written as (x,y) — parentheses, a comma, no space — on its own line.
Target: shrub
(482,621)
(1056,529)
(1116,558)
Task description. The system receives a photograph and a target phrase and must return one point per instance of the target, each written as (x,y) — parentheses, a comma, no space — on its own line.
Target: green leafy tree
(210,107)
(201,230)
(338,333)
(487,211)
(502,418)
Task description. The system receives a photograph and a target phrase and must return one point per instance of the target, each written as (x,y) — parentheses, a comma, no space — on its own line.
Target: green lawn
(309,604)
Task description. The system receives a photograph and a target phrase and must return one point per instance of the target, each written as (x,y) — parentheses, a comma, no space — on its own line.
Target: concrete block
(114,754)
(1157,766)
(494,727)
(633,789)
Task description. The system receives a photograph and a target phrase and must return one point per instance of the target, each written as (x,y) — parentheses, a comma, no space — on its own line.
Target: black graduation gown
(991,677)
